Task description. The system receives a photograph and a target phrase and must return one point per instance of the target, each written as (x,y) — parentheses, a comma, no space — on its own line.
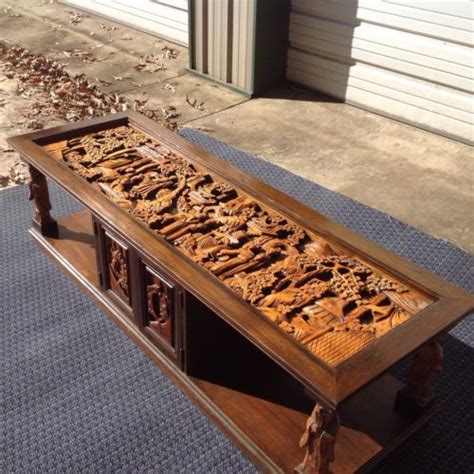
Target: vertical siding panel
(242,46)
(210,33)
(197,61)
(249,44)
(236,43)
(230,36)
(217,43)
(224,26)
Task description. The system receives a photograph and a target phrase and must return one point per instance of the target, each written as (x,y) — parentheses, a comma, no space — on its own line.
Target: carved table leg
(319,439)
(417,396)
(39,193)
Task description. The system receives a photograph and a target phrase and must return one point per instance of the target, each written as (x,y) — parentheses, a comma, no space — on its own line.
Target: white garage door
(165,18)
(412,60)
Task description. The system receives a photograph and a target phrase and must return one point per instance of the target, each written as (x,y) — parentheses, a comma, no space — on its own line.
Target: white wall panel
(165,18)
(394,57)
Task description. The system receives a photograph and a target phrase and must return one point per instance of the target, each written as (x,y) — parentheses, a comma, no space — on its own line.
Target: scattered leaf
(103,82)
(84,56)
(170,112)
(19,173)
(4,180)
(75,18)
(34,124)
(169,53)
(150,63)
(169,87)
(200,128)
(108,29)
(194,103)
(11,14)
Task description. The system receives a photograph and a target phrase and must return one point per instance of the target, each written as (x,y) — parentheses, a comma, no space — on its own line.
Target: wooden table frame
(342,388)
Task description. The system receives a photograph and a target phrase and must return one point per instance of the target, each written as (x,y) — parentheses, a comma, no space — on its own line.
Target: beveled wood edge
(327,382)
(179,378)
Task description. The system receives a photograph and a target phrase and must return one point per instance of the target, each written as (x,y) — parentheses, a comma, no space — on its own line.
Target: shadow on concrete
(319,53)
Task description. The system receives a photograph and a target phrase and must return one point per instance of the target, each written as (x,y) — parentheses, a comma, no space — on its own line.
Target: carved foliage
(325,297)
(159,307)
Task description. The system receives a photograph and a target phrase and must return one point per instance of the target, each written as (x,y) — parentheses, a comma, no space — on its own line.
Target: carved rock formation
(328,299)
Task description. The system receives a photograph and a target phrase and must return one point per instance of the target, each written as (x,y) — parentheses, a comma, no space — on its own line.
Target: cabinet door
(114,262)
(160,313)
(161,310)
(117,268)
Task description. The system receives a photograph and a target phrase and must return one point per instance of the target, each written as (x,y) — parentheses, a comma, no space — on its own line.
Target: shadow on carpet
(77,395)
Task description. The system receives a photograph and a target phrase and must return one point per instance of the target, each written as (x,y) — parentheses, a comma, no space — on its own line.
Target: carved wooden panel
(325,297)
(117,267)
(160,307)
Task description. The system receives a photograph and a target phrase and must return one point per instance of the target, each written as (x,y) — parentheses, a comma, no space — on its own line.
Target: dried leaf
(19,173)
(170,112)
(150,63)
(34,124)
(84,56)
(55,94)
(169,87)
(169,53)
(108,29)
(4,180)
(194,103)
(75,18)
(103,82)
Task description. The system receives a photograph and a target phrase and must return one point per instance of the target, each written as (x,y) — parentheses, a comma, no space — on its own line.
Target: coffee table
(278,323)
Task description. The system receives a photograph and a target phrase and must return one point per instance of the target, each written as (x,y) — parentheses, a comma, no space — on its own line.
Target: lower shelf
(267,430)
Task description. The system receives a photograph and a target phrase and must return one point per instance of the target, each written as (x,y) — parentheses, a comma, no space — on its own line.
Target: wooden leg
(40,194)
(319,439)
(417,396)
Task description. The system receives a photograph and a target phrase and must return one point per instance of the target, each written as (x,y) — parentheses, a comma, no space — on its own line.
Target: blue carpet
(77,396)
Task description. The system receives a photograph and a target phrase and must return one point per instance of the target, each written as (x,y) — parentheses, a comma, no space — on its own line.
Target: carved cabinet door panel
(118,269)
(161,311)
(160,307)
(115,267)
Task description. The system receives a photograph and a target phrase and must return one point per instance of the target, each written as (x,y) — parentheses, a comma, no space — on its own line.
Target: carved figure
(427,362)
(329,300)
(319,439)
(38,187)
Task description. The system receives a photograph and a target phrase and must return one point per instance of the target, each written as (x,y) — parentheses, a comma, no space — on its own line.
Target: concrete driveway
(419,177)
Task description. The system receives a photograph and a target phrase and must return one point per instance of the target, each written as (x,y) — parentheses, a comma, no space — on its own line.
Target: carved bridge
(327,298)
